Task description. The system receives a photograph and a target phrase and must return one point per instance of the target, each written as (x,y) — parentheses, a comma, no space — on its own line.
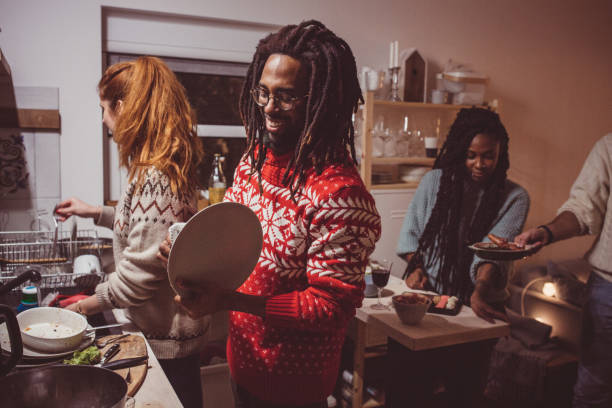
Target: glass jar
(29,298)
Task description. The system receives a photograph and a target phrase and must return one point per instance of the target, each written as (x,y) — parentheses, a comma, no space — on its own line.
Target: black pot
(63,386)
(7,364)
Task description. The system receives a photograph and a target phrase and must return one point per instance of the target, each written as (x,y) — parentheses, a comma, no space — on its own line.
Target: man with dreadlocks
(289,318)
(463,199)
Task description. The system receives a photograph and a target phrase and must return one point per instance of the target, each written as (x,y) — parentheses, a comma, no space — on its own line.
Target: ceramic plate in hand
(28,353)
(490,251)
(219,245)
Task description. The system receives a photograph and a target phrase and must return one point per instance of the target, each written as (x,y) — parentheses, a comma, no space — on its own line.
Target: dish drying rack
(53,258)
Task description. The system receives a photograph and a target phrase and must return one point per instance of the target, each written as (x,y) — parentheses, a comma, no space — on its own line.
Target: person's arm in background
(102,216)
(417,278)
(74,206)
(491,277)
(585,210)
(487,276)
(564,226)
(413,226)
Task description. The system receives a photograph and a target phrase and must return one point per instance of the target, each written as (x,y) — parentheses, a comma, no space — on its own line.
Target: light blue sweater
(508,223)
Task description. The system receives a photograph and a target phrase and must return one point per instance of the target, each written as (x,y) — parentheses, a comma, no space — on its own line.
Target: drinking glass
(403,139)
(417,144)
(380,278)
(378,135)
(388,143)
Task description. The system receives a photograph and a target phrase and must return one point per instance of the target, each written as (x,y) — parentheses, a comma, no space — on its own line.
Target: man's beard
(282,146)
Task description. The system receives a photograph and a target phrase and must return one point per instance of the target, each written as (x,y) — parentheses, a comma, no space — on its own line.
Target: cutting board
(131,346)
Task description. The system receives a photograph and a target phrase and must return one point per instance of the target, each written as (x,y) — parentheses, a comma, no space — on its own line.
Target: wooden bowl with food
(411,307)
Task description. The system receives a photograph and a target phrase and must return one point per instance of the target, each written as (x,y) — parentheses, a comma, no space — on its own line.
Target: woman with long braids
(466,197)
(463,199)
(288,320)
(146,108)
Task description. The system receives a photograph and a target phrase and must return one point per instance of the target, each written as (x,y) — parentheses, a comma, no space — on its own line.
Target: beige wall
(549,62)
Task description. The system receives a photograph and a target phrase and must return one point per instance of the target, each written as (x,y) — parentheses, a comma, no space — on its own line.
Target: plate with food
(220,245)
(441,304)
(444,304)
(30,353)
(500,249)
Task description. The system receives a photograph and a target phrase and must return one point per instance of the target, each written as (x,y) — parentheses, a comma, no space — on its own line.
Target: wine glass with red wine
(380,277)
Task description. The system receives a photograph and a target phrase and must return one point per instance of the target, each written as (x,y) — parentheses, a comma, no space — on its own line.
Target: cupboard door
(392,206)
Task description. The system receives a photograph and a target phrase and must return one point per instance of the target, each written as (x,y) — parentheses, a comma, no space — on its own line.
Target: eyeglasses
(283,100)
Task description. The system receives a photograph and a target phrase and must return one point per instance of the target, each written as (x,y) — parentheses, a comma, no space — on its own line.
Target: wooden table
(365,336)
(437,330)
(372,327)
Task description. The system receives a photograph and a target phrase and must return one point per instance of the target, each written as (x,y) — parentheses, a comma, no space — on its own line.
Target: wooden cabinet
(422,116)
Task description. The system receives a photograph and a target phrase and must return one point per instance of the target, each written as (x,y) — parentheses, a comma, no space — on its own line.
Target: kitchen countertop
(156,391)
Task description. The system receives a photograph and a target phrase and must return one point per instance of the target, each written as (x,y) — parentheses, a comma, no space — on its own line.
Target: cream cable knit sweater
(590,201)
(140,283)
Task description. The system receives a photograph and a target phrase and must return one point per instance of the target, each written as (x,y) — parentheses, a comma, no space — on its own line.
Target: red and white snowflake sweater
(311,268)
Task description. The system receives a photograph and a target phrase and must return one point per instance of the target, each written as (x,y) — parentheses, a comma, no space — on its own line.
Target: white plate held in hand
(219,245)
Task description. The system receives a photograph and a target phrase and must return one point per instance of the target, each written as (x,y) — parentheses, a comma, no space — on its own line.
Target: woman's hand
(483,309)
(74,206)
(417,279)
(73,307)
(87,306)
(164,250)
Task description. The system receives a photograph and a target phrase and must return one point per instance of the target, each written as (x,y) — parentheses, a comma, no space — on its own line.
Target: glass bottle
(216,182)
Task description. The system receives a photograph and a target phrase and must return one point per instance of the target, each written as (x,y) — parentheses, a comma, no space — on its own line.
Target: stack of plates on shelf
(33,358)
(412,174)
(382,178)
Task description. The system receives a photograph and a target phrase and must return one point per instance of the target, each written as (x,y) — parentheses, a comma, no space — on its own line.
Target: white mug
(438,96)
(86,264)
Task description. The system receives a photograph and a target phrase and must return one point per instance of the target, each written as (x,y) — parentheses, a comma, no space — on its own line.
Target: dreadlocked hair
(333,96)
(440,237)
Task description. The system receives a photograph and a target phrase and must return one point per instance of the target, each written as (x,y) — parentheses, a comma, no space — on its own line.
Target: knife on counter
(117,364)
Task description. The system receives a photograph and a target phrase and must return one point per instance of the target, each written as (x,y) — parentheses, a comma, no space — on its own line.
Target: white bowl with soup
(51,329)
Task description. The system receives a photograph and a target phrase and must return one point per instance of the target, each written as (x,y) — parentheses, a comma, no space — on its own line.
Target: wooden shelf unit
(375,106)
